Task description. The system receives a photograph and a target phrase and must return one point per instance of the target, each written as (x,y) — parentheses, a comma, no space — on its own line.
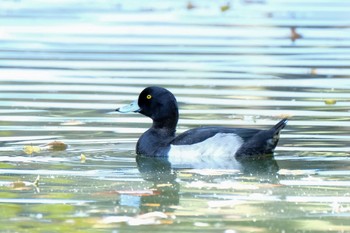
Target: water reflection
(165,187)
(164,191)
(261,166)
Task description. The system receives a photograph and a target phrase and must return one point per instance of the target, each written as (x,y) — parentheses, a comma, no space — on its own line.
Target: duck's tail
(262,143)
(276,134)
(280,125)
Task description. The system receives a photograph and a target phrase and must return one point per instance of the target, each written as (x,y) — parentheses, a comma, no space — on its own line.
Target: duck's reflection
(163,194)
(265,165)
(165,188)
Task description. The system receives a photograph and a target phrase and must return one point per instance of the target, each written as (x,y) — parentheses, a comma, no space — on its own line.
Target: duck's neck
(167,127)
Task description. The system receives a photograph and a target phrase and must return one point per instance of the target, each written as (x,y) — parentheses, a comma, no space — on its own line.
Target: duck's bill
(132,107)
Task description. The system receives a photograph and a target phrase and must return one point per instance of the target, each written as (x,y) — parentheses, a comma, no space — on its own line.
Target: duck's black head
(157,103)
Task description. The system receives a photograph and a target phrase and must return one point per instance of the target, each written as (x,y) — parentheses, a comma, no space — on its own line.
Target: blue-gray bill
(132,107)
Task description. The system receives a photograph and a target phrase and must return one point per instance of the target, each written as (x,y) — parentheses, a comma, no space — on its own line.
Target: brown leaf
(18,184)
(294,35)
(56,146)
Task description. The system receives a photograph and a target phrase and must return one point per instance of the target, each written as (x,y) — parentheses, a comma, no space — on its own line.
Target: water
(65,66)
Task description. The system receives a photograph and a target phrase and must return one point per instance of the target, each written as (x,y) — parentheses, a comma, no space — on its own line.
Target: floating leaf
(56,146)
(18,185)
(330,101)
(31,149)
(294,35)
(225,7)
(82,158)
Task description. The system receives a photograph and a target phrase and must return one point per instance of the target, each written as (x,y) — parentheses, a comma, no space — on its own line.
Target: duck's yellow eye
(149,97)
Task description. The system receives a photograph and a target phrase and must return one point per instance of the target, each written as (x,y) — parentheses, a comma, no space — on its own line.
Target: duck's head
(157,103)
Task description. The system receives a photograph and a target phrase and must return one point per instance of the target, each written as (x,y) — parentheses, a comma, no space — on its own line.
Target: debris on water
(31,149)
(313,71)
(225,7)
(36,181)
(82,158)
(330,101)
(294,35)
(18,185)
(25,185)
(56,146)
(190,6)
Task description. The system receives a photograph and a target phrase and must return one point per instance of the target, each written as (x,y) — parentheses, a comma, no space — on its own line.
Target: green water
(66,66)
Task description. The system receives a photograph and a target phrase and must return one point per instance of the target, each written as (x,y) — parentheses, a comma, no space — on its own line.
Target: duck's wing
(253,141)
(201,134)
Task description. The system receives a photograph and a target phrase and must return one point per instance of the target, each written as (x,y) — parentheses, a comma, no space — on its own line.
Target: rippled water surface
(66,66)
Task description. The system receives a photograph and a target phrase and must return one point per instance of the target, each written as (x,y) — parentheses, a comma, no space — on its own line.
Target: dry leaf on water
(18,185)
(25,185)
(294,35)
(31,149)
(56,146)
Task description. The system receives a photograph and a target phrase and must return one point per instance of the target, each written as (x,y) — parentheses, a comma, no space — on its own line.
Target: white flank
(215,152)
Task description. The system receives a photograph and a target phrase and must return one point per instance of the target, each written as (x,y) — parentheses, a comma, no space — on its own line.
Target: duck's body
(204,146)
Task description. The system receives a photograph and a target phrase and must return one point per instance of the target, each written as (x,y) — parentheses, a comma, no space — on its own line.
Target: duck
(202,147)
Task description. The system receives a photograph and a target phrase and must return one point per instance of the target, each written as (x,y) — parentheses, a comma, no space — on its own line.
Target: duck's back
(201,134)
